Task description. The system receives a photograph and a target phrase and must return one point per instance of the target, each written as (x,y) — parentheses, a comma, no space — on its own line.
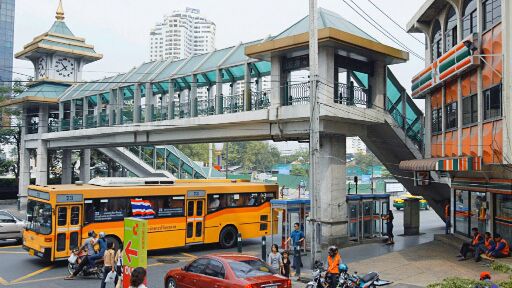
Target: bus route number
(69,198)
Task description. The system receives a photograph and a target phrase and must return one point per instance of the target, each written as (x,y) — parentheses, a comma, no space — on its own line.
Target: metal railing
(233,103)
(205,107)
(297,93)
(415,135)
(260,99)
(350,95)
(91,121)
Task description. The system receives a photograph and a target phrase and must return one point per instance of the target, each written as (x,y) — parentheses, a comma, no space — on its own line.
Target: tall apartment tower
(6,40)
(181,35)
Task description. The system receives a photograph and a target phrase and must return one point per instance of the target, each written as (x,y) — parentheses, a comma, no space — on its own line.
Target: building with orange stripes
(468,108)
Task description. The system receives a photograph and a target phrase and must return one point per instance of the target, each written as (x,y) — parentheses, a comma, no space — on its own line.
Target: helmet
(343,268)
(102,234)
(91,233)
(485,275)
(333,250)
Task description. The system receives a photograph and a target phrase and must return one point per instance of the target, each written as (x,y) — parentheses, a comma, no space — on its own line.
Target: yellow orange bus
(179,213)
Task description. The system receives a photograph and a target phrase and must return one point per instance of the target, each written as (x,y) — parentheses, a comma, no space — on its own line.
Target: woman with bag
(109,273)
(119,265)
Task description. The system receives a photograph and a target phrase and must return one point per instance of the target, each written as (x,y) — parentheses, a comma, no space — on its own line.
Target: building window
(462,212)
(451,30)
(436,120)
(492,102)
(470,110)
(492,13)
(437,49)
(503,215)
(469,20)
(451,115)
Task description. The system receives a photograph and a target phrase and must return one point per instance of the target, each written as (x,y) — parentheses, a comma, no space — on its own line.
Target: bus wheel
(114,240)
(227,238)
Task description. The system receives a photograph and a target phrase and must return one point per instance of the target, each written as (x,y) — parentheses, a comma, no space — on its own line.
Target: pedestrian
(138,277)
(447,218)
(389,227)
(333,270)
(108,263)
(484,247)
(119,263)
(467,247)
(274,259)
(286,264)
(297,238)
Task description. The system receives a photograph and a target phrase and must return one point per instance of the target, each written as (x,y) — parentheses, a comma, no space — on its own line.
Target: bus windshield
(39,217)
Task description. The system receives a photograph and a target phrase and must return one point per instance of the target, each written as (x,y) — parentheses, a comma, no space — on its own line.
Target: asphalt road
(18,269)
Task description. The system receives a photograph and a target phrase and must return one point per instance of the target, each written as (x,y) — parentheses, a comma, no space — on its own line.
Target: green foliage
(299,170)
(456,282)
(501,267)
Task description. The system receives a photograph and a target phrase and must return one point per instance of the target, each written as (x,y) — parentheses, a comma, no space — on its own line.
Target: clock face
(64,67)
(41,67)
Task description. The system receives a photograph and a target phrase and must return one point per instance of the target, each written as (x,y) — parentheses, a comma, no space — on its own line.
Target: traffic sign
(135,247)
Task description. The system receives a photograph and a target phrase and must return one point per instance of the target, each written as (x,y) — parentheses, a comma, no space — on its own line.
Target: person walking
(297,238)
(447,218)
(286,264)
(138,277)
(108,263)
(119,263)
(389,227)
(275,259)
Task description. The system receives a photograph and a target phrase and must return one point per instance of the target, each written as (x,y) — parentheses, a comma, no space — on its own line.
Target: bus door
(195,220)
(67,229)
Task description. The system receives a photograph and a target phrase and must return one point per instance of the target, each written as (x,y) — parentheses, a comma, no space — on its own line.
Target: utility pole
(314,134)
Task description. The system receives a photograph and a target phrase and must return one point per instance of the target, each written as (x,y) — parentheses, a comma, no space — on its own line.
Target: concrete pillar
(378,85)
(192,97)
(247,87)
(111,108)
(67,168)
(85,113)
(24,177)
(149,102)
(412,217)
(276,82)
(73,115)
(42,163)
(99,109)
(119,105)
(428,127)
(506,7)
(218,87)
(332,196)
(326,73)
(136,104)
(85,165)
(170,103)
(61,114)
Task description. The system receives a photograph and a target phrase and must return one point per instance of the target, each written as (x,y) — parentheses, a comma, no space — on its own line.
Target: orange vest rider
(476,239)
(334,263)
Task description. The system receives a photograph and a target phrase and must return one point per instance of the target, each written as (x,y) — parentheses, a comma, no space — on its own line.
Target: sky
(119,29)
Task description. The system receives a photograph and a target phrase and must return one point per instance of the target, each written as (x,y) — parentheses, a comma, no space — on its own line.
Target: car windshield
(39,217)
(250,268)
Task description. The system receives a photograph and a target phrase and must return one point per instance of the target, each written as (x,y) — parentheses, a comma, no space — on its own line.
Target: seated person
(501,249)
(214,204)
(484,247)
(471,246)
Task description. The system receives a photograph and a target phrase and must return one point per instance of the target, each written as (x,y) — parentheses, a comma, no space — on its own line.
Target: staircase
(401,138)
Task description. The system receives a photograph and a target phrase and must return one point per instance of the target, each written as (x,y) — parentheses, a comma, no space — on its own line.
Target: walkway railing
(260,99)
(205,107)
(350,95)
(233,103)
(412,129)
(296,93)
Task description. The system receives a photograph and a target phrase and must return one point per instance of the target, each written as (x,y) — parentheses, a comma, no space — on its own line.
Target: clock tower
(58,55)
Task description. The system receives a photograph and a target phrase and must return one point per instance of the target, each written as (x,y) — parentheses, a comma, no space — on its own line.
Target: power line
(392,20)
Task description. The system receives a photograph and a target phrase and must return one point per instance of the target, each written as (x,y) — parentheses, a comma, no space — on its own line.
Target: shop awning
(443,164)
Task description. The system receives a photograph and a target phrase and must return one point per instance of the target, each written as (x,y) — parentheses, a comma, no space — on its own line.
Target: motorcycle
(95,270)
(318,276)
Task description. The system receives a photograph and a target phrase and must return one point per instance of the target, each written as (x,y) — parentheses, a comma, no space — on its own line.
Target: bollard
(264,248)
(239,242)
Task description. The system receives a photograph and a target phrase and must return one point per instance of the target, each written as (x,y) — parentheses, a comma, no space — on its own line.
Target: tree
(365,161)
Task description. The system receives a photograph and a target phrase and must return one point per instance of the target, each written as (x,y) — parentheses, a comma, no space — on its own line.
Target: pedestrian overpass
(254,92)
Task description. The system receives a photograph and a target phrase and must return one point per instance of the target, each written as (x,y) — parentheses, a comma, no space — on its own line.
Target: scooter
(371,279)
(318,276)
(95,270)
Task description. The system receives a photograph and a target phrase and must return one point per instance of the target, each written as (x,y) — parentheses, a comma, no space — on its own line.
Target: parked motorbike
(318,275)
(371,279)
(94,270)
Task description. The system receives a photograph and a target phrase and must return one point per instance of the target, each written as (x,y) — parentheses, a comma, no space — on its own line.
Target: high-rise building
(6,40)
(181,35)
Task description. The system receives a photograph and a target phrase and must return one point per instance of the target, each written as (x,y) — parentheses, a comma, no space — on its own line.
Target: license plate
(31,252)
(270,286)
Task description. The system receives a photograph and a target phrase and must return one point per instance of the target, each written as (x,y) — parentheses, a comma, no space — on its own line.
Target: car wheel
(228,237)
(171,283)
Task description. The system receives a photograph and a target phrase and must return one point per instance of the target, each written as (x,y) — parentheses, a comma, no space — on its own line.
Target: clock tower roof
(59,39)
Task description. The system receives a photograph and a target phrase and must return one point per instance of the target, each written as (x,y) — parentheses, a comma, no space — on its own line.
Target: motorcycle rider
(333,272)
(88,245)
(102,242)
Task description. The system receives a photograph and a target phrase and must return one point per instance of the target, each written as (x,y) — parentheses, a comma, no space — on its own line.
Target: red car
(225,271)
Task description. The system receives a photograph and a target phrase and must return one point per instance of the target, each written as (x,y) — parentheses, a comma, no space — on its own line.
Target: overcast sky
(119,29)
